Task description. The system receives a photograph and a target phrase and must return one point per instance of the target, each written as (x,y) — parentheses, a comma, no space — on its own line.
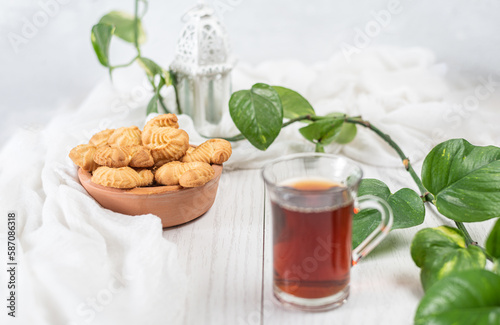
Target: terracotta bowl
(174,205)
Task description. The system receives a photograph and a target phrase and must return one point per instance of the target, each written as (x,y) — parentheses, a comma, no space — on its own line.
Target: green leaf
(101,38)
(153,69)
(124,24)
(493,241)
(258,114)
(294,105)
(347,132)
(407,207)
(152,105)
(441,251)
(465,298)
(464,179)
(323,131)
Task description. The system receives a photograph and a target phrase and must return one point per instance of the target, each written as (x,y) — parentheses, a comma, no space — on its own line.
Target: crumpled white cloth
(404,92)
(80,263)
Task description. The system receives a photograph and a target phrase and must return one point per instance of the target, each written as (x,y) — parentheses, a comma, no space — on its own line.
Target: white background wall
(57,66)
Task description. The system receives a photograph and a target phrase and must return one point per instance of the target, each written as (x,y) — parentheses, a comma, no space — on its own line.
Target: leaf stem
(125,64)
(426,196)
(406,161)
(319,147)
(173,77)
(136,27)
(299,118)
(467,236)
(146,4)
(160,99)
(470,241)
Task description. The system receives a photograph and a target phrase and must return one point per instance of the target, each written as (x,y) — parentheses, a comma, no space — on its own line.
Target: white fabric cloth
(404,92)
(79,262)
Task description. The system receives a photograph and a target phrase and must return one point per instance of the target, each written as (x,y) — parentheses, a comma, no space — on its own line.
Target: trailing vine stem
(136,28)
(139,56)
(426,196)
(468,238)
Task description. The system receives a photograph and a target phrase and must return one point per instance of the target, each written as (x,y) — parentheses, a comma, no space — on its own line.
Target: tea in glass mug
(314,198)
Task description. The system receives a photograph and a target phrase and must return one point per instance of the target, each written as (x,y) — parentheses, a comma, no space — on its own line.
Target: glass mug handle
(367,245)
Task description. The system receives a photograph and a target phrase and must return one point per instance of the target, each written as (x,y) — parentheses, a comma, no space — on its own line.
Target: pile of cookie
(159,155)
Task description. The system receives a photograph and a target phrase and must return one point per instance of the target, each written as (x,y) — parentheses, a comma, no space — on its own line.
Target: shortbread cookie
(197,176)
(125,137)
(124,177)
(140,157)
(112,156)
(164,120)
(147,177)
(101,138)
(213,151)
(161,121)
(166,144)
(191,174)
(83,156)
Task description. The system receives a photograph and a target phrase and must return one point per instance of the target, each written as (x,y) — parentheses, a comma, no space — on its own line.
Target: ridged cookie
(124,177)
(140,157)
(164,120)
(125,137)
(147,177)
(101,138)
(191,174)
(83,156)
(166,144)
(213,151)
(112,156)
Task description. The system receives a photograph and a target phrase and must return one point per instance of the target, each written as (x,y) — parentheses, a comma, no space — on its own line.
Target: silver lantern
(202,68)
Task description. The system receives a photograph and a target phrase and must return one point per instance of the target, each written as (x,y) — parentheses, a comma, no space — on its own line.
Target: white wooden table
(227,256)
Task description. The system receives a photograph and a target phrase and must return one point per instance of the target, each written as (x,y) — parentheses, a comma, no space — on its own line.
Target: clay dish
(174,205)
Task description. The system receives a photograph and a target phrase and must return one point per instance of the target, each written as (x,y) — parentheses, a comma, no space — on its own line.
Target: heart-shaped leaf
(464,179)
(124,24)
(153,69)
(258,114)
(407,207)
(441,251)
(322,132)
(464,298)
(101,38)
(294,105)
(493,241)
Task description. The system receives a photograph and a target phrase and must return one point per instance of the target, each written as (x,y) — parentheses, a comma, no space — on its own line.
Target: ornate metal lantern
(202,68)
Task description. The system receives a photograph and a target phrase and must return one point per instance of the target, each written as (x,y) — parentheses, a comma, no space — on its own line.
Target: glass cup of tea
(314,198)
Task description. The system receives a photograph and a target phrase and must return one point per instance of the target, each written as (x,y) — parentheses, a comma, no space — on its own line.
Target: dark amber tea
(312,238)
(313,197)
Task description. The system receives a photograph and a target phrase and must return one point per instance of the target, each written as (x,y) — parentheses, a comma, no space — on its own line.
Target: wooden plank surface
(221,253)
